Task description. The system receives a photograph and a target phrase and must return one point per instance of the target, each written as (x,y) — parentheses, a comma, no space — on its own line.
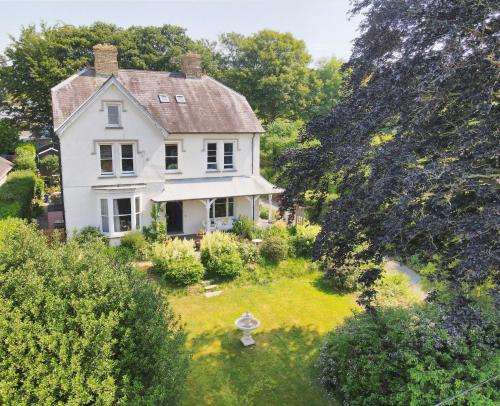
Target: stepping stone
(210,287)
(207,282)
(213,294)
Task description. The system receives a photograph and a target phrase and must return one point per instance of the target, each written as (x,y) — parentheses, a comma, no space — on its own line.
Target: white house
(131,138)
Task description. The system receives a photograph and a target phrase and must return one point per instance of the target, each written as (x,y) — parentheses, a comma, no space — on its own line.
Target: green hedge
(17,193)
(220,255)
(25,157)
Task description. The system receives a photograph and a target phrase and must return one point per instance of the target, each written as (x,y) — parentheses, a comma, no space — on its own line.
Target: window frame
(107,174)
(216,163)
(228,201)
(232,167)
(118,105)
(127,173)
(135,213)
(177,170)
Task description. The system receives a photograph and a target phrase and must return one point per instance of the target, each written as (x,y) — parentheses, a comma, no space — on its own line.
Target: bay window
(119,215)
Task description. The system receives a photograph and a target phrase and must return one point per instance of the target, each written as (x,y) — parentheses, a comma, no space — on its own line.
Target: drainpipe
(253,137)
(62,192)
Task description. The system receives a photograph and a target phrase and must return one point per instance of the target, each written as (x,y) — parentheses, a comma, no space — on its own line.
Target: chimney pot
(191,65)
(105,60)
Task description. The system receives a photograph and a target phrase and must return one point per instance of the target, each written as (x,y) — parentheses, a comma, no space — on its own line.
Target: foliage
(49,165)
(395,290)
(220,255)
(176,260)
(329,71)
(9,137)
(280,135)
(89,233)
(274,248)
(414,144)
(249,252)
(271,70)
(279,228)
(245,227)
(157,231)
(41,58)
(405,356)
(80,328)
(18,192)
(136,242)
(25,157)
(303,238)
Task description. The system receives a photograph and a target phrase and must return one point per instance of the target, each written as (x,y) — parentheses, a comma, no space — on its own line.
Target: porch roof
(209,188)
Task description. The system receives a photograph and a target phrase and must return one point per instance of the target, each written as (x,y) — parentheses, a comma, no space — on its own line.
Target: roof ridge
(69,79)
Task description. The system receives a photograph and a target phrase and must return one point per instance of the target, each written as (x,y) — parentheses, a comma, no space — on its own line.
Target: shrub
(245,227)
(403,357)
(220,255)
(9,137)
(395,290)
(25,157)
(274,248)
(88,233)
(303,238)
(136,243)
(176,260)
(17,193)
(79,328)
(26,149)
(50,165)
(249,252)
(279,228)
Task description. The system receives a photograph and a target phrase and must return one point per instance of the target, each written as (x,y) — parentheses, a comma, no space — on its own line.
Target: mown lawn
(295,315)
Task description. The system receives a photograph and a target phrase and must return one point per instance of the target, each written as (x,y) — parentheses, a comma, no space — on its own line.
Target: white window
(127,158)
(119,215)
(114,119)
(228,155)
(106,157)
(222,208)
(137,211)
(212,156)
(180,98)
(164,98)
(171,157)
(104,215)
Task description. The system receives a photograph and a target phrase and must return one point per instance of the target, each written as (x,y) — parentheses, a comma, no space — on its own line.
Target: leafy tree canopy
(40,58)
(329,72)
(271,69)
(9,137)
(414,143)
(82,329)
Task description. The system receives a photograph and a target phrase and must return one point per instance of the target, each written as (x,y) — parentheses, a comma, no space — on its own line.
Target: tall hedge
(17,193)
(82,329)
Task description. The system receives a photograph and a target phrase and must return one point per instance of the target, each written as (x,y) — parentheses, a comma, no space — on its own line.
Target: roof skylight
(180,98)
(163,98)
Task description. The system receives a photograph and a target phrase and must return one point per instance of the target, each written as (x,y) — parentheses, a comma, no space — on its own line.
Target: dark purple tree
(413,146)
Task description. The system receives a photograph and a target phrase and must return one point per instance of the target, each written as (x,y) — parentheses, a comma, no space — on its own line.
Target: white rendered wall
(80,161)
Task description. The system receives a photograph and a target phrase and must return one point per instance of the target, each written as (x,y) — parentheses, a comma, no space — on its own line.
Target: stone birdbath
(247,323)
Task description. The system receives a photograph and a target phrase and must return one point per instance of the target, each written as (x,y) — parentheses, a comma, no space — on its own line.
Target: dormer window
(180,98)
(114,115)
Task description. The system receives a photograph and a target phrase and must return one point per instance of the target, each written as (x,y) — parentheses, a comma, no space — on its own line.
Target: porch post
(270,201)
(207,203)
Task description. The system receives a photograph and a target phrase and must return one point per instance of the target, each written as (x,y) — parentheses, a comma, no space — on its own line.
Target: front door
(173,213)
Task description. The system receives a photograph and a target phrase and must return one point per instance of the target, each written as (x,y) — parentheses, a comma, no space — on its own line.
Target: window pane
(230,207)
(122,206)
(106,166)
(104,216)
(127,151)
(171,150)
(211,155)
(137,221)
(137,205)
(228,161)
(171,163)
(123,223)
(127,165)
(212,147)
(106,151)
(228,148)
(220,208)
(113,115)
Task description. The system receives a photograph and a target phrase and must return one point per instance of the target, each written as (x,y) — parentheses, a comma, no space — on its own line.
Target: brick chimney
(191,65)
(105,59)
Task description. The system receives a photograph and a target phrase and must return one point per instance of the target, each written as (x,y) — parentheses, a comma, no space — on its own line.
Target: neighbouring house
(5,167)
(46,150)
(129,139)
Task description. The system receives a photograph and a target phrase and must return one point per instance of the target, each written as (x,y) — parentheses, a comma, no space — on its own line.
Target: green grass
(295,315)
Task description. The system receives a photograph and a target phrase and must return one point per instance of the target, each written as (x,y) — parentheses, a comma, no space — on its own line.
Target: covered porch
(208,204)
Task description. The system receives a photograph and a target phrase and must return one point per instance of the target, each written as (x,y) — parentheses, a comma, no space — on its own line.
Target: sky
(324,25)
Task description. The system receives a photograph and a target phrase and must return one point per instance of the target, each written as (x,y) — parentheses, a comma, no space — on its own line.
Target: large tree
(414,145)
(271,69)
(40,58)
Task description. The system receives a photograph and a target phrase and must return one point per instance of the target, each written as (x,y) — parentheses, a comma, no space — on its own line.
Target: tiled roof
(210,106)
(5,167)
